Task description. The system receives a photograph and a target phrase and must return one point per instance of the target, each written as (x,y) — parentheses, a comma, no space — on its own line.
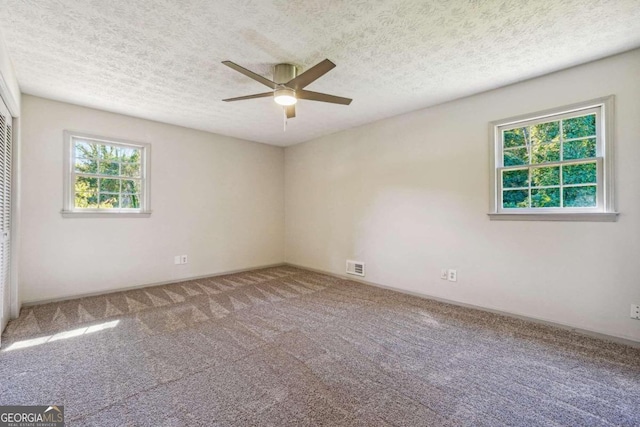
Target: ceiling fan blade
(323,97)
(257,95)
(251,74)
(290,110)
(311,75)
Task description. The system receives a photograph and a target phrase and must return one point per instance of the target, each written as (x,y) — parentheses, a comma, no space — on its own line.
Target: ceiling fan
(288,86)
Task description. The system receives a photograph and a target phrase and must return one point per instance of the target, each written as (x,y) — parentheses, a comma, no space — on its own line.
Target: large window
(555,165)
(105,175)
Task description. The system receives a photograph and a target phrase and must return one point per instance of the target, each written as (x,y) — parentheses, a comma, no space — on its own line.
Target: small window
(554,165)
(105,176)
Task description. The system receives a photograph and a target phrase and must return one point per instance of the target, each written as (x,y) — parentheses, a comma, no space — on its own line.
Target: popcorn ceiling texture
(287,347)
(160,60)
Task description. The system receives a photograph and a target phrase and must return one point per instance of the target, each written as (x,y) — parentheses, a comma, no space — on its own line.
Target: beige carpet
(287,347)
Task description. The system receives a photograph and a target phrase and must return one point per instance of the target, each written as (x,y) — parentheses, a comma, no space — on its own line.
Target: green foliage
(580,196)
(130,169)
(86,192)
(516,156)
(109,185)
(515,199)
(547,152)
(545,176)
(109,200)
(516,137)
(100,192)
(108,168)
(545,197)
(545,132)
(579,127)
(545,139)
(579,149)
(583,173)
(515,178)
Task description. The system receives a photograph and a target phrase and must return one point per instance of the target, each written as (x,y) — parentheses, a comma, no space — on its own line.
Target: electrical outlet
(635,311)
(453,275)
(444,275)
(183,259)
(177,260)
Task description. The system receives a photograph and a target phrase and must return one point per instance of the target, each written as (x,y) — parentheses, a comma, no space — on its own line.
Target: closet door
(5,211)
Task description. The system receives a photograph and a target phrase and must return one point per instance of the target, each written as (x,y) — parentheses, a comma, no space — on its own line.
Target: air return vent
(355,267)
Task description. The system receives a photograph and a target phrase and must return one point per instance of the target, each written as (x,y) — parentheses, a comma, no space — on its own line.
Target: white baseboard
(587,332)
(147,285)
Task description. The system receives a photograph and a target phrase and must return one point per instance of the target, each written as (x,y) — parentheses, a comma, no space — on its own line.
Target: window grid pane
(100,178)
(561,177)
(550,139)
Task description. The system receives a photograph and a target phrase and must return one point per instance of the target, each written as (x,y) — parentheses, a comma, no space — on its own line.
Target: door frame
(13,105)
(14,294)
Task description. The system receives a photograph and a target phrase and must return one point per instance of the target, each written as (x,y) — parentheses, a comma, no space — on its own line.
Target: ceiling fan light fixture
(288,86)
(285,96)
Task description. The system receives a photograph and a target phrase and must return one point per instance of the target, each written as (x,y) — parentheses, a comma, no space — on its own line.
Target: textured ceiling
(160,59)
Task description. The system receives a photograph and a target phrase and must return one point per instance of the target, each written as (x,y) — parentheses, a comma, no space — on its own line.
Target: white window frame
(605,209)
(70,211)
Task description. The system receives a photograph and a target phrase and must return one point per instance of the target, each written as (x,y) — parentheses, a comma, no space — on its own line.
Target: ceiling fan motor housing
(283,73)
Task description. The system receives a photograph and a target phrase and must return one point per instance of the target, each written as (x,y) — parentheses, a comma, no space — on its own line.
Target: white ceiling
(161,59)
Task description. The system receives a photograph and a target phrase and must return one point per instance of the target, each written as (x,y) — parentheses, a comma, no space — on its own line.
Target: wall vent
(355,267)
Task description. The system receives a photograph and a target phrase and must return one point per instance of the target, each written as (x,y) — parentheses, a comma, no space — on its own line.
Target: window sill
(73,214)
(576,216)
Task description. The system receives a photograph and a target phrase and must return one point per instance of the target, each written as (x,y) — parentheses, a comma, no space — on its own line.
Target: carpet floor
(284,346)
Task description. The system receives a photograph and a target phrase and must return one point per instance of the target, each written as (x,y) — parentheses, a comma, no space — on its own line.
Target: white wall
(217,199)
(409,196)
